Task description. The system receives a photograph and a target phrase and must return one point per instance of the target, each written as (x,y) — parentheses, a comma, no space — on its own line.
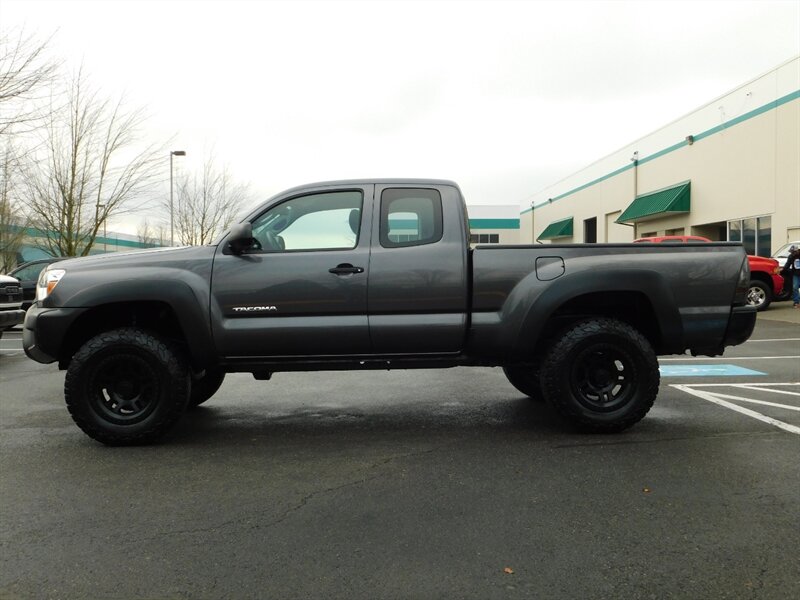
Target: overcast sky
(503,97)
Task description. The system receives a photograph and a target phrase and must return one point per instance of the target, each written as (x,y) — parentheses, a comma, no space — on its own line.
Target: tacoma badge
(255,308)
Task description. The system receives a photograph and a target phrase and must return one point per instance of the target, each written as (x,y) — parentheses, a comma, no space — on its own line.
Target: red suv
(765,280)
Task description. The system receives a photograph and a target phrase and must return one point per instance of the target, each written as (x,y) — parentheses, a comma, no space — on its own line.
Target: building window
(754,233)
(764,237)
(484,238)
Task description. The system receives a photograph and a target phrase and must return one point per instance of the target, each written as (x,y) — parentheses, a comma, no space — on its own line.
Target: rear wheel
(126,387)
(759,295)
(525,378)
(601,374)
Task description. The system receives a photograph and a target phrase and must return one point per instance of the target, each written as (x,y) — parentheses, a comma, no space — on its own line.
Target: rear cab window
(410,217)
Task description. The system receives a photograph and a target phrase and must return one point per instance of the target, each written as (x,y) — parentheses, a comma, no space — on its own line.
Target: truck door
(418,270)
(301,290)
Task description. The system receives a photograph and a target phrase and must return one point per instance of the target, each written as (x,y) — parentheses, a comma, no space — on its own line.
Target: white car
(11,312)
(783,252)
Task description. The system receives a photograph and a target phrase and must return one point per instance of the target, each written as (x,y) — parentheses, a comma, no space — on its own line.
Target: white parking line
(753,401)
(752,385)
(775,340)
(744,386)
(716,399)
(729,358)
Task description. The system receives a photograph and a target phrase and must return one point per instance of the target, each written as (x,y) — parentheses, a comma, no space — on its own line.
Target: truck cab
(315,258)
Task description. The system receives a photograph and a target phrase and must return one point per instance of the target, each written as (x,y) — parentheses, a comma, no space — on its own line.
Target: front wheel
(786,292)
(601,374)
(126,387)
(206,386)
(759,295)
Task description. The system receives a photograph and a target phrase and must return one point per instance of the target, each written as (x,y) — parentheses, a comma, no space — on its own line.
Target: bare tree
(25,71)
(206,204)
(143,232)
(25,75)
(13,222)
(89,168)
(148,235)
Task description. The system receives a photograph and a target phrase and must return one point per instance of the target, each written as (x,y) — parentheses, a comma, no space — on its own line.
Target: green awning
(669,201)
(557,229)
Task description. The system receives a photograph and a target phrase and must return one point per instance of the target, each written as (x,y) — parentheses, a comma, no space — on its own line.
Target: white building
(490,224)
(730,170)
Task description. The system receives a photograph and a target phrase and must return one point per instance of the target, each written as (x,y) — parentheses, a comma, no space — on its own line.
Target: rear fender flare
(650,284)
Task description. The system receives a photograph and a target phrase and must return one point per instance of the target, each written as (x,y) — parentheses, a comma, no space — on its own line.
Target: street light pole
(171,205)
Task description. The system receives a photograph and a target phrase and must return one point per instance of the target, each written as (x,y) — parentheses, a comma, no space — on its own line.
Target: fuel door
(549,268)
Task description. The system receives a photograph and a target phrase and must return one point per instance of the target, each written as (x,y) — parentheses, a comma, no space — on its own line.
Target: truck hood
(761,263)
(137,257)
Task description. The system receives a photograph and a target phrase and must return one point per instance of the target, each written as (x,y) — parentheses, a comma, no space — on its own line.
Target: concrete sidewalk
(781,311)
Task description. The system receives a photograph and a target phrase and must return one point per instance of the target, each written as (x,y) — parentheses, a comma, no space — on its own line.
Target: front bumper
(9,318)
(45,331)
(777,284)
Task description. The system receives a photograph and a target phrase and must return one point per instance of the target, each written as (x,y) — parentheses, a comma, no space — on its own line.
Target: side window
(327,221)
(410,217)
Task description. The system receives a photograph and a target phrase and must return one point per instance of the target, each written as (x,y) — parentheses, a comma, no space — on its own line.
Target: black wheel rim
(603,377)
(123,389)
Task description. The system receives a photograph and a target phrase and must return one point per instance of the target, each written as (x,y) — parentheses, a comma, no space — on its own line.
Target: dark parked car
(28,275)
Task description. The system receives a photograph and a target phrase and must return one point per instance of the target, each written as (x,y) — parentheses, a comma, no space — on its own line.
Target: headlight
(48,281)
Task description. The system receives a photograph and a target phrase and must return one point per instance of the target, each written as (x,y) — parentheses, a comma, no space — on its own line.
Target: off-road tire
(525,378)
(601,375)
(205,387)
(127,387)
(758,295)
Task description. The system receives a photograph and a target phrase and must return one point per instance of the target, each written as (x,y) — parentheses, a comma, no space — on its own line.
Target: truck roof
(375,181)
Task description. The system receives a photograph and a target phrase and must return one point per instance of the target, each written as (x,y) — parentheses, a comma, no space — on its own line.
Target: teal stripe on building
(705,134)
(34,232)
(494,223)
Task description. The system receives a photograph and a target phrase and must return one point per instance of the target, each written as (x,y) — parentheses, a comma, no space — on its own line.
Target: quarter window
(410,217)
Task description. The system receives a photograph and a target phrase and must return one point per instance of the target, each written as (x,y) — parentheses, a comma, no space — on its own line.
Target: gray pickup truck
(378,274)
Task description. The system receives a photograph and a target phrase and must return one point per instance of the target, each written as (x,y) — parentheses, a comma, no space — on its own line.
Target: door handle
(345,269)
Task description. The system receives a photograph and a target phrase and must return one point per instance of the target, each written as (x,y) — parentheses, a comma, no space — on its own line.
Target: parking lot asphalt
(413,484)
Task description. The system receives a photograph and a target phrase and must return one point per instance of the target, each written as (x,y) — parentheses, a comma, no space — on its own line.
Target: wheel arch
(156,316)
(640,298)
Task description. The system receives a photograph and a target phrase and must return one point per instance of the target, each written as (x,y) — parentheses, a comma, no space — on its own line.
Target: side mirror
(241,237)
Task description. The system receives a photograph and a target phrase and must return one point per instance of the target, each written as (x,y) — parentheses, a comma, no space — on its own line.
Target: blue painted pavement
(705,371)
